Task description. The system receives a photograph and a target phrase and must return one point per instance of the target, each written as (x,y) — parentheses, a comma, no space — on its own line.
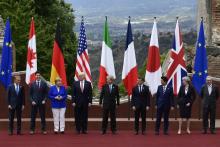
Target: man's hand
(172,108)
(177,106)
(101,105)
(188,104)
(90,105)
(22,107)
(74,104)
(9,107)
(33,103)
(147,108)
(134,108)
(43,102)
(155,107)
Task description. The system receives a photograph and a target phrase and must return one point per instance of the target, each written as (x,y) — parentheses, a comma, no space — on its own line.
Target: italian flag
(107,62)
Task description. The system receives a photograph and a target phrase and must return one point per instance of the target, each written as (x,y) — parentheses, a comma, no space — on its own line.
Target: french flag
(129,72)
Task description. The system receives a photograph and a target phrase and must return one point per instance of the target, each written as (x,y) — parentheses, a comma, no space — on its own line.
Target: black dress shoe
(114,132)
(62,132)
(10,133)
(55,132)
(156,133)
(19,133)
(143,132)
(77,132)
(204,132)
(84,132)
(103,132)
(165,133)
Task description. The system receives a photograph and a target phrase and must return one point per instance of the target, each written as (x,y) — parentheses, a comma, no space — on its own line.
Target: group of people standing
(109,101)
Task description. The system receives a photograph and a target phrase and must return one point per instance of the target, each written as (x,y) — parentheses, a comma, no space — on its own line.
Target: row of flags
(176,68)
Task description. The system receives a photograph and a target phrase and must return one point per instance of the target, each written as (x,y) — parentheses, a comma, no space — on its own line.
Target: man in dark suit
(81,100)
(209,94)
(164,101)
(140,102)
(16,102)
(109,97)
(38,95)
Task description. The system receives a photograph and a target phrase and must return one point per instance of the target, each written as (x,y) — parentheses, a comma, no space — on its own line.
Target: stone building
(210,11)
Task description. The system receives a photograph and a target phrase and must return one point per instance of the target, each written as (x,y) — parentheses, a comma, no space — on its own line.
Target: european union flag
(6,63)
(201,63)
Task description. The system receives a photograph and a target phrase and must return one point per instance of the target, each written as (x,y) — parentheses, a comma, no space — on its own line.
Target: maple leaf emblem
(31,56)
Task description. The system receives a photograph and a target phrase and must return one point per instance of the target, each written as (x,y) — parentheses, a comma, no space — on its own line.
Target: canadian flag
(153,69)
(31,67)
(129,72)
(107,63)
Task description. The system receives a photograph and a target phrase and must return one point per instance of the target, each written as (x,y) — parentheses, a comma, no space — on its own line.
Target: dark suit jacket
(38,94)
(109,99)
(164,99)
(79,97)
(140,99)
(189,97)
(14,99)
(209,100)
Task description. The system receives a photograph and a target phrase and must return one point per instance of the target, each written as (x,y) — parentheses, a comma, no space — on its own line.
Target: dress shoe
(31,132)
(84,132)
(19,133)
(213,132)
(156,133)
(103,132)
(114,132)
(136,133)
(77,132)
(188,131)
(179,132)
(143,132)
(165,133)
(204,132)
(55,132)
(62,132)
(44,132)
(10,133)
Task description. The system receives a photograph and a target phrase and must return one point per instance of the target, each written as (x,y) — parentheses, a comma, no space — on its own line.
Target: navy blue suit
(81,99)
(140,100)
(164,100)
(15,99)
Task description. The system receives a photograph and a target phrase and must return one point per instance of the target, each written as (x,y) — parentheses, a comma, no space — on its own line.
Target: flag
(82,62)
(31,66)
(107,63)
(166,63)
(177,67)
(201,63)
(153,68)
(58,65)
(129,72)
(6,62)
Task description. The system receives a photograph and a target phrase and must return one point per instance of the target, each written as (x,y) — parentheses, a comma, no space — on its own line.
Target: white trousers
(59,119)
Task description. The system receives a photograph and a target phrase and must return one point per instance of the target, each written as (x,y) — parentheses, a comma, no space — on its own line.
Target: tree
(45,13)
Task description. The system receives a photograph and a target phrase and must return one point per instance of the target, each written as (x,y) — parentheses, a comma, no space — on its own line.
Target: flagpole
(129,96)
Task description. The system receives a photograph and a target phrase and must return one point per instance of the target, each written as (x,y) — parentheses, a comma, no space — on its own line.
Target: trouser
(206,112)
(140,112)
(34,109)
(12,111)
(81,118)
(106,113)
(59,119)
(162,111)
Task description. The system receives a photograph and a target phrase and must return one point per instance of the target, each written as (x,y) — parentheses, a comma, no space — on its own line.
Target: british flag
(177,67)
(82,63)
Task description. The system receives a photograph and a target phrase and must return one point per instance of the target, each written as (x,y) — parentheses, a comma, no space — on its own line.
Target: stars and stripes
(82,63)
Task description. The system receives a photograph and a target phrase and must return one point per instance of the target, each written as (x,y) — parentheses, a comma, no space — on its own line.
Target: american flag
(82,63)
(177,67)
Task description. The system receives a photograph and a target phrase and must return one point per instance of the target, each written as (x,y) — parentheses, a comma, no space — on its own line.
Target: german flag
(58,65)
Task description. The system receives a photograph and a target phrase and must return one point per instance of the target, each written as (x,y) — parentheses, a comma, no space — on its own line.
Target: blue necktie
(17,89)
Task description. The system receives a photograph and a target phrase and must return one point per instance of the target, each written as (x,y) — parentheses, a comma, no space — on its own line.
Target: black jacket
(140,99)
(79,97)
(109,99)
(184,98)
(14,99)
(209,100)
(38,94)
